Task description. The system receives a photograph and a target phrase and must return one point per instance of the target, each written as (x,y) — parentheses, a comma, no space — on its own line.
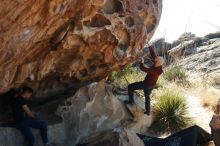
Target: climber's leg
(24,128)
(131,88)
(147,92)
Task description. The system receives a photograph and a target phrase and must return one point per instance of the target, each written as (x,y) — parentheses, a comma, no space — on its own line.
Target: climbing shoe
(146,113)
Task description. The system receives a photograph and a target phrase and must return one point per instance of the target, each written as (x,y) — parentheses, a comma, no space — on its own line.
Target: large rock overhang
(48,44)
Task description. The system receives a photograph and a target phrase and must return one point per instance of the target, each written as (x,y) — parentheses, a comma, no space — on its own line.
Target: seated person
(25,119)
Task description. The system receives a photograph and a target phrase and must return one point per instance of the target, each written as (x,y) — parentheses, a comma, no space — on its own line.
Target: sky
(196,16)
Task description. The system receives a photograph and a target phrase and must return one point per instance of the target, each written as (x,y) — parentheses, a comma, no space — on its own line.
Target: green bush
(127,75)
(161,82)
(171,112)
(175,74)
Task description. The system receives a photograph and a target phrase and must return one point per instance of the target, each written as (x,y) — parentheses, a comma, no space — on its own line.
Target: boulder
(215,127)
(191,136)
(186,48)
(162,47)
(182,38)
(51,44)
(217,110)
(204,59)
(116,137)
(12,137)
(213,35)
(94,108)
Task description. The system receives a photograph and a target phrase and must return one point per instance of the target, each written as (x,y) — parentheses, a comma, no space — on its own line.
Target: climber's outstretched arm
(152,52)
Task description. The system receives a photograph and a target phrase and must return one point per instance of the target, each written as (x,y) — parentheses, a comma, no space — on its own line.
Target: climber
(25,119)
(150,80)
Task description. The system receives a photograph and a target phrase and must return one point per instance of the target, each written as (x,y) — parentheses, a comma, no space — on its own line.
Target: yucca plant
(171,112)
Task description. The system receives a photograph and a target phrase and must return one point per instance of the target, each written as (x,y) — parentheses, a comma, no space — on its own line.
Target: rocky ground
(201,116)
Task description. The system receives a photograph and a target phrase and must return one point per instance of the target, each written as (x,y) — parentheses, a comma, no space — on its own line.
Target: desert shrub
(176,74)
(171,112)
(132,74)
(209,91)
(127,75)
(161,82)
(215,81)
(209,97)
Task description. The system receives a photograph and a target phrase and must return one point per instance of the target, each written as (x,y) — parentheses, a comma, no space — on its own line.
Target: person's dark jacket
(18,111)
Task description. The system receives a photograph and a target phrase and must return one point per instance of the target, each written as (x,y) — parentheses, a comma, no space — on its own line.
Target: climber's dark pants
(25,126)
(140,86)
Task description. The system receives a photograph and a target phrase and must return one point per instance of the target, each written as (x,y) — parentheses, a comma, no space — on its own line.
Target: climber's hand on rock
(142,60)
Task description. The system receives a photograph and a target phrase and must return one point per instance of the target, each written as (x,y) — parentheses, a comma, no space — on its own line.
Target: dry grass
(204,87)
(175,74)
(215,81)
(209,92)
(210,97)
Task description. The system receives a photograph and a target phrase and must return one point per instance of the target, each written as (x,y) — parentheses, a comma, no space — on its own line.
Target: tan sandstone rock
(116,137)
(94,108)
(47,43)
(215,126)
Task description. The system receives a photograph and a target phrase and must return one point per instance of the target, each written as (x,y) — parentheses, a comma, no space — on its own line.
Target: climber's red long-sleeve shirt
(153,73)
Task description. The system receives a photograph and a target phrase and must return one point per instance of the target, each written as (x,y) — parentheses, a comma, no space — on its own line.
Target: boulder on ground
(92,109)
(116,137)
(215,127)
